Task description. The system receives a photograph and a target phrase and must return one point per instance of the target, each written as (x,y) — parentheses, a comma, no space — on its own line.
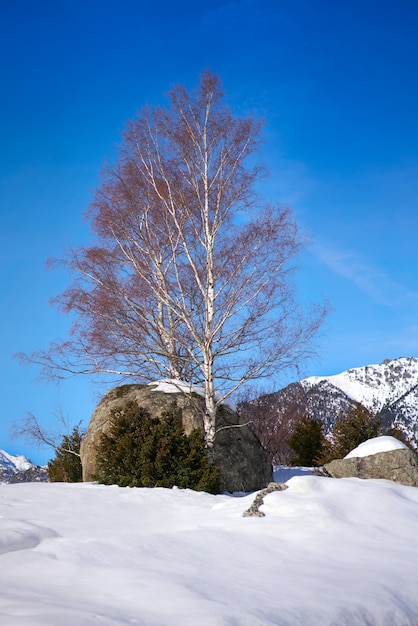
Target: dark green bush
(66,466)
(306,442)
(141,451)
(350,430)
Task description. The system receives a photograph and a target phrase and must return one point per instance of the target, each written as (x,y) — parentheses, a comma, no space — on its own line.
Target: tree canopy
(190,274)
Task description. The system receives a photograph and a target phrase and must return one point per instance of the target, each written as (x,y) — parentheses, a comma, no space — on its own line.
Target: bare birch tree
(32,430)
(191,277)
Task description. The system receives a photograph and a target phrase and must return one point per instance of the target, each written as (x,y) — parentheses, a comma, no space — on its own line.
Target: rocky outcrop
(401,466)
(244,464)
(34,474)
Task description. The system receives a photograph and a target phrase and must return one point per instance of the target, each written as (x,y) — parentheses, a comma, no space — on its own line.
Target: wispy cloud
(372,280)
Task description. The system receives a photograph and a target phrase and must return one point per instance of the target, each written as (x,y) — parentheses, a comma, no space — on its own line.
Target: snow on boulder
(380,457)
(169,385)
(376,445)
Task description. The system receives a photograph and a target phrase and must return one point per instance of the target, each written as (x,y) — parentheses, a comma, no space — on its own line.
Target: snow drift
(328,552)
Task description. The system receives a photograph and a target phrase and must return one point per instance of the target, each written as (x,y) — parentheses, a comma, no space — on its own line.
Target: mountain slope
(375,386)
(11,465)
(389,389)
(18,468)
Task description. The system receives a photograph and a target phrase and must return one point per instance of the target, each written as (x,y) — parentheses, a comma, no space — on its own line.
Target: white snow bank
(327,552)
(170,385)
(21,535)
(376,445)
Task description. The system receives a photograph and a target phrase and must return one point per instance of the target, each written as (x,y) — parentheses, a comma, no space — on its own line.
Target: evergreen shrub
(141,451)
(306,442)
(66,466)
(350,430)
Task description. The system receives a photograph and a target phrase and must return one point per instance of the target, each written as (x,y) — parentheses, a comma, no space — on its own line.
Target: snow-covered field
(328,552)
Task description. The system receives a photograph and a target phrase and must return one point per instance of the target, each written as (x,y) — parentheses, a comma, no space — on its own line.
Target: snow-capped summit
(18,462)
(389,389)
(12,464)
(375,386)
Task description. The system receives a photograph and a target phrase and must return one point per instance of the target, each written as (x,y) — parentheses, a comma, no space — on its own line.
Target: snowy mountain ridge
(375,386)
(389,390)
(18,469)
(11,465)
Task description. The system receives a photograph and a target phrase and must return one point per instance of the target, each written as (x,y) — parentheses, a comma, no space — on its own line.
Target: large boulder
(244,463)
(400,465)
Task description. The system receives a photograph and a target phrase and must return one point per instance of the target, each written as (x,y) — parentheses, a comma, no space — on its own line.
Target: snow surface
(327,553)
(376,445)
(170,385)
(283,473)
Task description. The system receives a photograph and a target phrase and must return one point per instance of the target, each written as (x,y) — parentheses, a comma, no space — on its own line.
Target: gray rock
(244,463)
(401,466)
(254,510)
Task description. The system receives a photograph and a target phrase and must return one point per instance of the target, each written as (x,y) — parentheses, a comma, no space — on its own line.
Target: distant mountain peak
(16,462)
(389,389)
(17,468)
(375,386)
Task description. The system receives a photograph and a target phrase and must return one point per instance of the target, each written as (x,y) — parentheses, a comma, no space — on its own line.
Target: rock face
(34,474)
(401,466)
(244,464)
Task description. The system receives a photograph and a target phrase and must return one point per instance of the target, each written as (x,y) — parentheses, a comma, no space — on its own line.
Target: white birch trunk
(209,242)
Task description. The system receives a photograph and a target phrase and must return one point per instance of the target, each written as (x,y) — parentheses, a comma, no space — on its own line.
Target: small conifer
(306,442)
(141,451)
(66,466)
(350,430)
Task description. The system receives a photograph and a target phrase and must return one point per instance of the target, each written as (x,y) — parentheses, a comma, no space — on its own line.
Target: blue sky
(336,84)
